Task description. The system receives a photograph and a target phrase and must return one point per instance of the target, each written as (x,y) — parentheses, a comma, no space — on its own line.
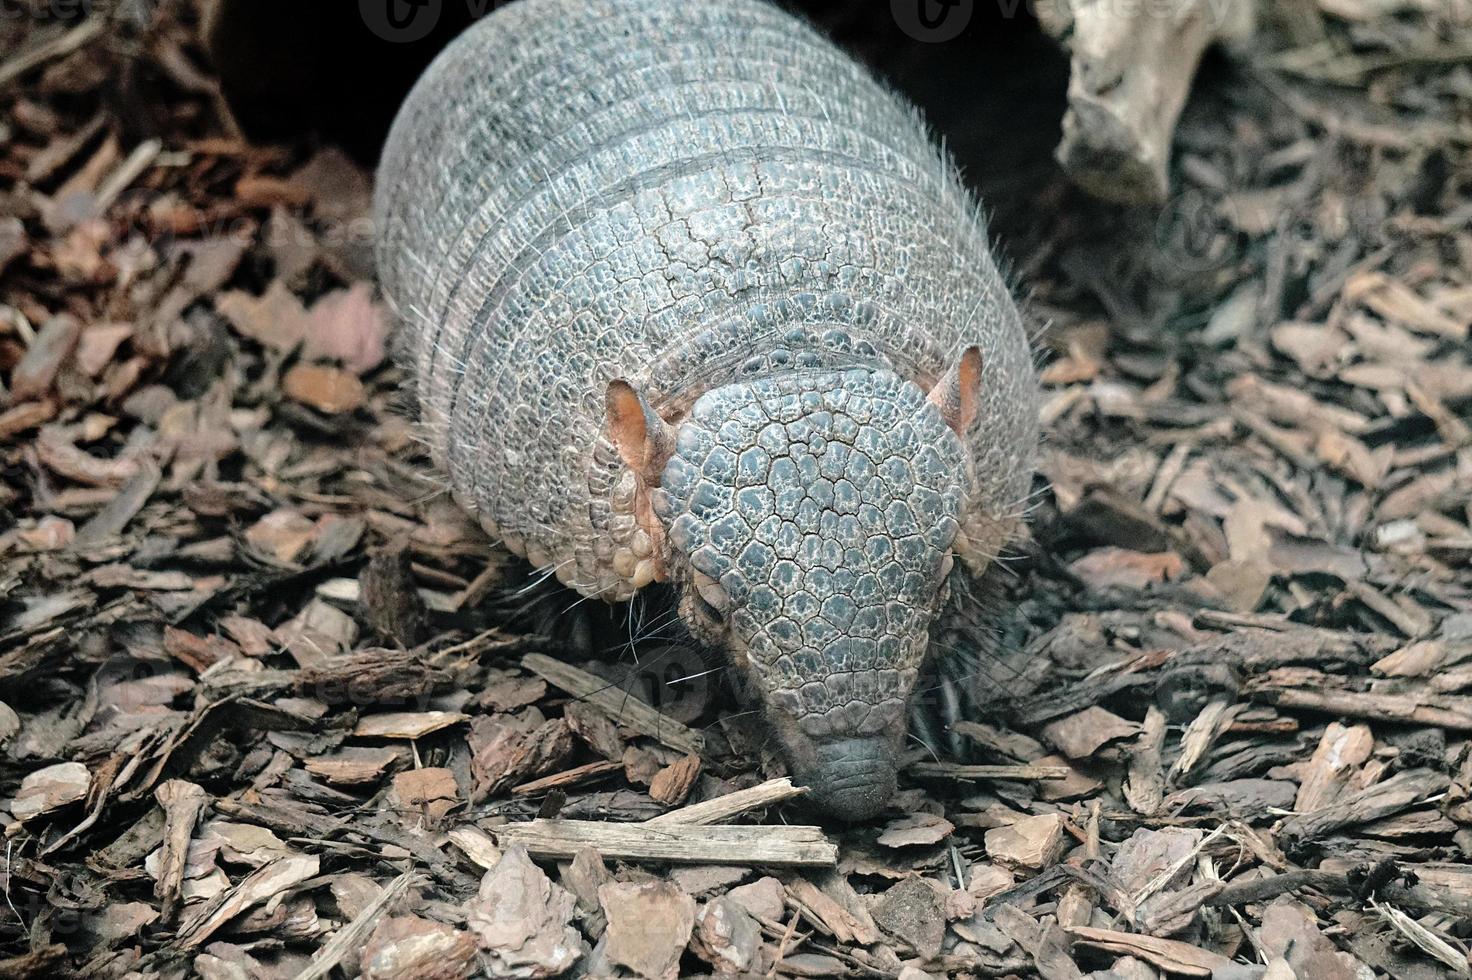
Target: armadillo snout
(852,778)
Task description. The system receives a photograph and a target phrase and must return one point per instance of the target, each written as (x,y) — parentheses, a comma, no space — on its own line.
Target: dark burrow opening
(994,92)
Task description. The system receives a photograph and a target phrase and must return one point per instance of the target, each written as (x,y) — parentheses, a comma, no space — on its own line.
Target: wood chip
(723,808)
(327,389)
(407,724)
(673,783)
(522,920)
(266,882)
(1080,735)
(477,845)
(649,926)
(54,343)
(1170,955)
(352,936)
(407,947)
(919,829)
(182,802)
(47,790)
(1032,843)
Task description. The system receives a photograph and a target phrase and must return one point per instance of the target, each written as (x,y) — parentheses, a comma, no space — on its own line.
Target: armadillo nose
(853,778)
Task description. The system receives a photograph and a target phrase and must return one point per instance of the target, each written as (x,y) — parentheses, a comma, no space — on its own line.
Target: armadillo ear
(957,395)
(643,439)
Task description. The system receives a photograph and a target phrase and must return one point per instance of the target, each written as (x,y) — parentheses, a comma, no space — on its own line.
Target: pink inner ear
(626,425)
(644,440)
(957,395)
(645,443)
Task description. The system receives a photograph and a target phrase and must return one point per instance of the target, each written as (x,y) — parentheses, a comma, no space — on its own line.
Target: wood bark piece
(955,770)
(911,912)
(676,844)
(833,906)
(1290,931)
(1145,788)
(1170,955)
(182,802)
(568,777)
(50,789)
(57,46)
(1342,749)
(1303,691)
(649,926)
(673,783)
(389,598)
(620,705)
(523,921)
(1421,898)
(1079,736)
(477,845)
(55,342)
(1199,736)
(1033,842)
(264,883)
(407,947)
(407,724)
(1131,70)
(351,937)
(1381,800)
(727,937)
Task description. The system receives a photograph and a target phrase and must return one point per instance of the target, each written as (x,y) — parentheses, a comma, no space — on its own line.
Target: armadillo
(688,296)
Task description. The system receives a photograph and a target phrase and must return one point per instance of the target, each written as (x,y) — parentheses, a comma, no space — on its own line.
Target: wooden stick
(617,703)
(673,843)
(955,770)
(723,808)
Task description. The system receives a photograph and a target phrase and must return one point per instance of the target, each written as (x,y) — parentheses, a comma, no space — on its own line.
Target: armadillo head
(809,521)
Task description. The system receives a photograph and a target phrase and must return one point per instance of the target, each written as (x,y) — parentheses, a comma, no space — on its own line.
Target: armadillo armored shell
(661,190)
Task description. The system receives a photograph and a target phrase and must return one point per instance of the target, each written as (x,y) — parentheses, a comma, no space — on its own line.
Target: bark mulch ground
(266,711)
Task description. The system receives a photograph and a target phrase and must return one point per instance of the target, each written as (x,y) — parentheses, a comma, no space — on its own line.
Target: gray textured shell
(659,190)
